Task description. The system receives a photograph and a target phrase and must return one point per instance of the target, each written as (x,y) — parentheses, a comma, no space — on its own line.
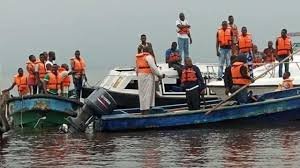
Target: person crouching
(287,82)
(193,83)
(240,77)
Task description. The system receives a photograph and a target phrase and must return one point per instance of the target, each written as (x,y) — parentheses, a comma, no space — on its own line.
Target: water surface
(198,147)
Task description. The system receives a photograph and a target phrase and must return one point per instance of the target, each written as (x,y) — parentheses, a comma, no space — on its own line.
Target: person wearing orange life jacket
(64,73)
(41,69)
(223,47)
(31,67)
(257,57)
(78,65)
(245,46)
(146,70)
(173,58)
(287,82)
(22,83)
(270,53)
(240,76)
(193,83)
(52,81)
(284,49)
(183,35)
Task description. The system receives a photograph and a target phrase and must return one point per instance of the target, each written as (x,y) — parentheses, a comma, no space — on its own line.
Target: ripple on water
(202,147)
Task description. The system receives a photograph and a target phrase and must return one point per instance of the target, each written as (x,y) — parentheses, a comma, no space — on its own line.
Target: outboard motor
(98,103)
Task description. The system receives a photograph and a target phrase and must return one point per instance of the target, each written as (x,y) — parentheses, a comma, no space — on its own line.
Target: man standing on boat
(51,60)
(235,35)
(284,49)
(31,68)
(193,83)
(173,58)
(22,83)
(270,53)
(52,81)
(245,46)
(41,68)
(257,57)
(183,35)
(223,46)
(65,79)
(146,71)
(144,44)
(79,67)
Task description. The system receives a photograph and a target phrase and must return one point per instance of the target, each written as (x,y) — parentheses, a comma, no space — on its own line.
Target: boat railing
(273,72)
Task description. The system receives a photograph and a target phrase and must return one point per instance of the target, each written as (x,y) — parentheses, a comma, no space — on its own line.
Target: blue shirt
(169,52)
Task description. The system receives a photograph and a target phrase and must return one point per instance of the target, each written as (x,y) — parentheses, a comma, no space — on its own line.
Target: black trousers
(193,99)
(78,86)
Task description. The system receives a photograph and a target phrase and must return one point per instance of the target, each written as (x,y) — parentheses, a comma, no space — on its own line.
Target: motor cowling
(98,103)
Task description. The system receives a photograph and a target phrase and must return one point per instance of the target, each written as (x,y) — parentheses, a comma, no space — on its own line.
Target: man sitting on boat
(52,81)
(240,76)
(193,83)
(146,70)
(287,82)
(173,58)
(21,81)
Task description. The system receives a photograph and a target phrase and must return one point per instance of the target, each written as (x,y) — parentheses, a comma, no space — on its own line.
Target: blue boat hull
(28,111)
(278,108)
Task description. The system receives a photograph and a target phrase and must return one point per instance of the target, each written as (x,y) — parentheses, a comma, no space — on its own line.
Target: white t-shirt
(49,62)
(179,22)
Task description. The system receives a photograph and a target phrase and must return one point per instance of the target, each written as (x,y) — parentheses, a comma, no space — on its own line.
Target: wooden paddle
(240,89)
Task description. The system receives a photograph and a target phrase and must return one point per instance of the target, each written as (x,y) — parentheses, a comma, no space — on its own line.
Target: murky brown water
(205,147)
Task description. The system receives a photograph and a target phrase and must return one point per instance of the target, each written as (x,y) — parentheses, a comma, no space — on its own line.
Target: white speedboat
(270,81)
(122,84)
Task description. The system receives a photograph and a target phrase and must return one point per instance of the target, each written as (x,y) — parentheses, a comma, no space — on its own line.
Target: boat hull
(41,110)
(276,110)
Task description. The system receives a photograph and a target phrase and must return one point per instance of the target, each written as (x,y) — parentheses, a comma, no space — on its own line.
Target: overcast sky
(107,32)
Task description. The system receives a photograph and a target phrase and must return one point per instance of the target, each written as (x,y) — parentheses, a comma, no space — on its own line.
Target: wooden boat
(273,107)
(41,110)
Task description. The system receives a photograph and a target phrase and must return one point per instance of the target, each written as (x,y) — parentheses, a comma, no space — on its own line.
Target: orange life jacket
(60,69)
(287,84)
(79,65)
(41,69)
(188,75)
(66,80)
(237,78)
(245,43)
(22,84)
(224,37)
(142,64)
(174,57)
(30,66)
(183,30)
(54,81)
(284,46)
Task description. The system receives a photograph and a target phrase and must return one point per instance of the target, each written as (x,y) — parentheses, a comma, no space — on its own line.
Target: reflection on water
(201,147)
